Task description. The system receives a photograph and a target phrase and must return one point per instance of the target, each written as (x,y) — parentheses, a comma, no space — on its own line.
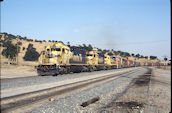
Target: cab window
(63,50)
(89,54)
(58,49)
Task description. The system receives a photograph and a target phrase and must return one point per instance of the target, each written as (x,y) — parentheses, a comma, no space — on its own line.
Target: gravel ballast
(34,80)
(105,92)
(32,85)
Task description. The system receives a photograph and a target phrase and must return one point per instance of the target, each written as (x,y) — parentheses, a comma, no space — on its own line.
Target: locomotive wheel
(91,69)
(68,70)
(55,74)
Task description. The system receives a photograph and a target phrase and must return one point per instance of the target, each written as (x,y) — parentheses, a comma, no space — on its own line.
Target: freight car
(137,64)
(130,63)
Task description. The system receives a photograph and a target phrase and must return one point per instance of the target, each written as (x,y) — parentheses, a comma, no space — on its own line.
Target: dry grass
(39,47)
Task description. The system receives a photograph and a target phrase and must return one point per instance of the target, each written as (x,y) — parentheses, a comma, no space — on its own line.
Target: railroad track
(18,102)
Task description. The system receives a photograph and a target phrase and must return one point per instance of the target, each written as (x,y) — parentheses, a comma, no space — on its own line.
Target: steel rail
(18,101)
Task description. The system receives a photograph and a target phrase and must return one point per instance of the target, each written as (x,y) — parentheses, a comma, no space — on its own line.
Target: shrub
(19,43)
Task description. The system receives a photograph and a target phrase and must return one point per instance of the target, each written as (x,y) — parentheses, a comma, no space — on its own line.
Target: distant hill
(40,45)
(23,43)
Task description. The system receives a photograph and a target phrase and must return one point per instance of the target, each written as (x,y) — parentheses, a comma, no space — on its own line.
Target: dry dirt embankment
(150,93)
(10,71)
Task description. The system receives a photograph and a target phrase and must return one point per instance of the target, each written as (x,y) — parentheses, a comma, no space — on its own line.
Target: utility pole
(17,50)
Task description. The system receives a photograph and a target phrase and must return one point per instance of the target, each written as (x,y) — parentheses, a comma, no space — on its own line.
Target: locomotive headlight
(50,60)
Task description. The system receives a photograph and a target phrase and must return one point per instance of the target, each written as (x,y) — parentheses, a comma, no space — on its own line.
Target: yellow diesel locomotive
(60,59)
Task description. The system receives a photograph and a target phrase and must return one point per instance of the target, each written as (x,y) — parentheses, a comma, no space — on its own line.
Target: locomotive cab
(107,59)
(92,57)
(53,57)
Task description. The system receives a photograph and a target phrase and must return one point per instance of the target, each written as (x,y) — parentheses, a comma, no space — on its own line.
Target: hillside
(40,45)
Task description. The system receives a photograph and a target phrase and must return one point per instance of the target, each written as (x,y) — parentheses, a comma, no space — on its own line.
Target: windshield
(89,55)
(55,49)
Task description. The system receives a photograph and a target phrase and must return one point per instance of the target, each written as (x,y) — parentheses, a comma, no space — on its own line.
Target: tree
(90,47)
(122,53)
(10,50)
(19,43)
(138,55)
(110,53)
(165,59)
(31,54)
(146,57)
(127,54)
(153,57)
(141,56)
(132,54)
(68,43)
(116,53)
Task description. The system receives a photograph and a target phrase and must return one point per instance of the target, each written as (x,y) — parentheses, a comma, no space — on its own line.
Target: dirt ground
(13,71)
(164,67)
(150,93)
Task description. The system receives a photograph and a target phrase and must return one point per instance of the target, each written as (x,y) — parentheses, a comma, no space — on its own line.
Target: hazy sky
(134,26)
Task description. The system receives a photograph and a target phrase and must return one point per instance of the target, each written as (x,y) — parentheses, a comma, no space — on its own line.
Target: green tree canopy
(31,54)
(88,48)
(146,57)
(138,55)
(10,50)
(153,57)
(132,54)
